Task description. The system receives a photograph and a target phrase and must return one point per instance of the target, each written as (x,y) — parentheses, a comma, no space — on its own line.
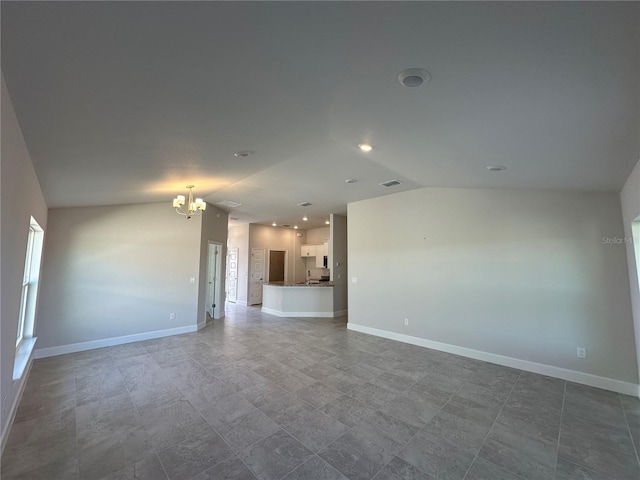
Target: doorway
(277,266)
(214,300)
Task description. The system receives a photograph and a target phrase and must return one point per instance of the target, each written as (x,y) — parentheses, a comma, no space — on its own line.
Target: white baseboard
(611,384)
(201,325)
(6,428)
(242,303)
(278,313)
(110,342)
(340,313)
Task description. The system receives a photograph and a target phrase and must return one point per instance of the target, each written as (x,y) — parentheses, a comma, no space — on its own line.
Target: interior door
(257,276)
(211,278)
(232,277)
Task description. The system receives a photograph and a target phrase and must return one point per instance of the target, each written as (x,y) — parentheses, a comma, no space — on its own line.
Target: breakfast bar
(298,299)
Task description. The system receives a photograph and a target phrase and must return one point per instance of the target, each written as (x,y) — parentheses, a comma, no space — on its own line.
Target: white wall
(339,255)
(115,271)
(630,199)
(318,235)
(214,227)
(521,274)
(21,198)
(239,238)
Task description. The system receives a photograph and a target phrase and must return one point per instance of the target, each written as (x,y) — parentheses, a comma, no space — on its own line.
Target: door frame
(286,262)
(218,301)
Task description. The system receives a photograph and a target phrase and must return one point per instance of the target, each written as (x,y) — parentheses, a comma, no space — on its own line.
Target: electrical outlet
(192,280)
(406,322)
(172,316)
(581,352)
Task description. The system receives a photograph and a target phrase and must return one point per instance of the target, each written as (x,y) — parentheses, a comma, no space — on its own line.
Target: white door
(257,276)
(232,278)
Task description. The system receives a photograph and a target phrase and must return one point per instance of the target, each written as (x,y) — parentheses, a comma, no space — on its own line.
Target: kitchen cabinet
(321,252)
(308,250)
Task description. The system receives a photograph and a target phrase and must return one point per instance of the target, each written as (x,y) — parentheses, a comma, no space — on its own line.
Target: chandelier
(194,208)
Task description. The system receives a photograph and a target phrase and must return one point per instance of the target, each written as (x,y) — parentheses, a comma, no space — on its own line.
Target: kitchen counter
(298,300)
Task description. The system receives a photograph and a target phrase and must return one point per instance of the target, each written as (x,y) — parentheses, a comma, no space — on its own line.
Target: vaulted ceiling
(128,102)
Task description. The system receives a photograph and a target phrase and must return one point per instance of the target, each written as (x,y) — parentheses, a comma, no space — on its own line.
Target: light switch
(354,279)
(192,280)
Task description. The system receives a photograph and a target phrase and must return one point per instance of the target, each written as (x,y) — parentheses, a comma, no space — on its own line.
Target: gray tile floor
(256,396)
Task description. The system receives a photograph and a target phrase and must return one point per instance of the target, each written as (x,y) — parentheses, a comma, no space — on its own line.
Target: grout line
(491,428)
(420,429)
(75,413)
(137,412)
(626,419)
(564,396)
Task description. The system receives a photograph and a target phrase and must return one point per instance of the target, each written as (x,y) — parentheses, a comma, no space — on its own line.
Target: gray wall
(277,238)
(523,274)
(117,270)
(630,198)
(338,254)
(21,198)
(215,224)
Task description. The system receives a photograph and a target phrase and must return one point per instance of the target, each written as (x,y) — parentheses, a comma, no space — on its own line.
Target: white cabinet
(308,250)
(321,252)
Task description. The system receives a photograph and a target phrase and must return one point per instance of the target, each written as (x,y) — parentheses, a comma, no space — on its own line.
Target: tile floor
(256,396)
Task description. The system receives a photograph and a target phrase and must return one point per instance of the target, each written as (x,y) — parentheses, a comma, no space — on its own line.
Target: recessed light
(413,77)
(365,147)
(243,154)
(295,226)
(304,219)
(274,224)
(350,180)
(327,222)
(496,168)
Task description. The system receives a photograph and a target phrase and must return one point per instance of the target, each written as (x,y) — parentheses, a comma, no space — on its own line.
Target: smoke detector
(413,77)
(496,168)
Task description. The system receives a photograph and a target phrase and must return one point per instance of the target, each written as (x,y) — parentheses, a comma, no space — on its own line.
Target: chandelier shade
(193,207)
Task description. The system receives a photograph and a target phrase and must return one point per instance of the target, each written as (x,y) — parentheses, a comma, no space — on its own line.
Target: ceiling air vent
(390,183)
(304,204)
(229,203)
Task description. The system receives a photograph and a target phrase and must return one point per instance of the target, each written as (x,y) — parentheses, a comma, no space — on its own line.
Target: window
(635,238)
(30,282)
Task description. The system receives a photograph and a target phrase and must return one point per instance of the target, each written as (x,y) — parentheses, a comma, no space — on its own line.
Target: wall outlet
(406,322)
(581,352)
(172,316)
(192,280)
